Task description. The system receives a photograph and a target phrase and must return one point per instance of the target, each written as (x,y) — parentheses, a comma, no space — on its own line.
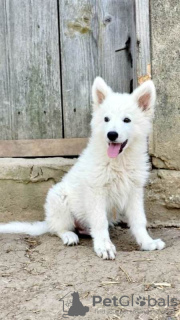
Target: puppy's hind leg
(58,215)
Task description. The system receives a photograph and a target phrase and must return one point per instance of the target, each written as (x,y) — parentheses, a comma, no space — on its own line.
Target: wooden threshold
(42,147)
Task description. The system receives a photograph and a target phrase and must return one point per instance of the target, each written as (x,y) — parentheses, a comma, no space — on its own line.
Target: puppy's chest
(117,181)
(118,190)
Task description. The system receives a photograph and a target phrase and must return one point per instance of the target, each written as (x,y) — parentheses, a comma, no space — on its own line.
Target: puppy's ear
(145,96)
(100,91)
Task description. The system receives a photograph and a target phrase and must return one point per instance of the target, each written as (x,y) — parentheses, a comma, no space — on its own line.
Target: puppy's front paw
(104,248)
(69,238)
(156,244)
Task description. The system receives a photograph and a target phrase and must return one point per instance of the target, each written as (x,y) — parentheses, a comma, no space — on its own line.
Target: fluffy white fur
(97,184)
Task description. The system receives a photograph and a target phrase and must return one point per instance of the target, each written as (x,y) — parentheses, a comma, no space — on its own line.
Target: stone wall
(24,184)
(165,148)
(165,32)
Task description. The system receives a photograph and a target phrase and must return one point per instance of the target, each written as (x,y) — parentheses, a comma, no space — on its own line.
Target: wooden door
(51,51)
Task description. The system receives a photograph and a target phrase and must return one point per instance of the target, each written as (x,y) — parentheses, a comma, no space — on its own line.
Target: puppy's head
(121,119)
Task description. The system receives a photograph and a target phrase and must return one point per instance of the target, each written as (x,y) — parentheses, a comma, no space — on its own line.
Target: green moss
(79,26)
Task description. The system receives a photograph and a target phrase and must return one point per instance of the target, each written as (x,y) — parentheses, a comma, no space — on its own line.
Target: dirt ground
(37,272)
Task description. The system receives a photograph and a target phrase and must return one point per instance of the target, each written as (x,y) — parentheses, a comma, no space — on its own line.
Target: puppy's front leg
(137,222)
(98,222)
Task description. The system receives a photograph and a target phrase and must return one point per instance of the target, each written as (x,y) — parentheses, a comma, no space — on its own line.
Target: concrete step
(24,184)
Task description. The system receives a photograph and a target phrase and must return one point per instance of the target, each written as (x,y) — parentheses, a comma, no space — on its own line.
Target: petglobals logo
(125,301)
(72,306)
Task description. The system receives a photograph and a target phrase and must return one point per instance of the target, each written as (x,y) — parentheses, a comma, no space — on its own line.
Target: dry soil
(37,272)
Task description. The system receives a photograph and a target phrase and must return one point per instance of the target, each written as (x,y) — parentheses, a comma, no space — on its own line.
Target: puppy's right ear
(100,91)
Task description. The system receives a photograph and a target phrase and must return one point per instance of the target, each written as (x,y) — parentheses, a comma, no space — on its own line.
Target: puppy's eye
(106,119)
(127,120)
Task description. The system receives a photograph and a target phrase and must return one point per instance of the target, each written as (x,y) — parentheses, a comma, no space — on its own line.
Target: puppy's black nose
(112,135)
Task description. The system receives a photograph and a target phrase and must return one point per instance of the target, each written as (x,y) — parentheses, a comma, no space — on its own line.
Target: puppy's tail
(32,228)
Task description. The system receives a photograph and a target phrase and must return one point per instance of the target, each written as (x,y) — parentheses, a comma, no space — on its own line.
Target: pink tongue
(113,150)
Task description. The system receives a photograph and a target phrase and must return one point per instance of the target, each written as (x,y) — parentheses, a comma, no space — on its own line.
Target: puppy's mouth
(115,148)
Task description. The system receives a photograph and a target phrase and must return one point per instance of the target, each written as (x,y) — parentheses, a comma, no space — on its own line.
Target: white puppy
(110,174)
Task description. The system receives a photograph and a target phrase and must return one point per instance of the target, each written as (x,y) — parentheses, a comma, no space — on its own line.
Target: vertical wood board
(143,40)
(92,32)
(30,105)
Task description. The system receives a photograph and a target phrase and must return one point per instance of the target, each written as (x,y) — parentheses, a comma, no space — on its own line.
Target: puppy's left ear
(100,90)
(145,96)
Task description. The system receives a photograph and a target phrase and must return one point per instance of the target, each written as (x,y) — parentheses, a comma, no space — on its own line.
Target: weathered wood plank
(30,98)
(92,32)
(143,46)
(143,40)
(42,147)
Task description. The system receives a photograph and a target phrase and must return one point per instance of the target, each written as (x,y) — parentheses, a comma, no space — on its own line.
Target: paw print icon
(141,301)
